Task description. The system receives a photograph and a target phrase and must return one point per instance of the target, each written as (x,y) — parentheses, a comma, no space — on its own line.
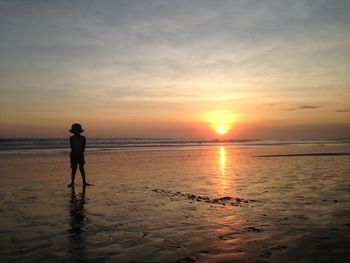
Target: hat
(76,128)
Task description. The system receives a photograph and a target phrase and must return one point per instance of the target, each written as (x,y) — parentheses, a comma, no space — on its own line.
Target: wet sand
(205,204)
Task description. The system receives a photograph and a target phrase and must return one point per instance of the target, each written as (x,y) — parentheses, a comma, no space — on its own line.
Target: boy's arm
(71,142)
(84,143)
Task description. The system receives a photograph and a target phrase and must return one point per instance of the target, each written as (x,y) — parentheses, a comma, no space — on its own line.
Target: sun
(221,121)
(221,129)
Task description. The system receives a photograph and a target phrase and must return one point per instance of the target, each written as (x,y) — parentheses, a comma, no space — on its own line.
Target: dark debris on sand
(226,200)
(186,260)
(252,229)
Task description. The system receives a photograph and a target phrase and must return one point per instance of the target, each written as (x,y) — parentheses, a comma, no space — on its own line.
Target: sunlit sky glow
(275,69)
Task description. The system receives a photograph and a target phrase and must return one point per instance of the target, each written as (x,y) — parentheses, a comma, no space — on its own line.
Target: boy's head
(76,128)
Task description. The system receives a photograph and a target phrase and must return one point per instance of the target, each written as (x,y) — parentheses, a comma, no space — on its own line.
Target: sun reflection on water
(222,159)
(223,179)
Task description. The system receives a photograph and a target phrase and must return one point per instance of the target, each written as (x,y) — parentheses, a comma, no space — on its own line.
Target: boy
(77,146)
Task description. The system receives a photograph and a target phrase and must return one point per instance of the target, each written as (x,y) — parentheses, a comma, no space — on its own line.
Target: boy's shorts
(76,158)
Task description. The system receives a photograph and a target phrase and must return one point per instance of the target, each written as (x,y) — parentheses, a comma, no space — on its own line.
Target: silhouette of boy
(77,145)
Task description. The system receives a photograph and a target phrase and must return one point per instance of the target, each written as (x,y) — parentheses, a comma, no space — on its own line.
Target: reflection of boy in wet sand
(77,212)
(77,146)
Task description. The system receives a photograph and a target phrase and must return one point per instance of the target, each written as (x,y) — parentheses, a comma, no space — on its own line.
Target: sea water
(218,202)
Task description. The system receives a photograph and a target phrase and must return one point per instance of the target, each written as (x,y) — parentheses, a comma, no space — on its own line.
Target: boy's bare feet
(87,184)
(70,185)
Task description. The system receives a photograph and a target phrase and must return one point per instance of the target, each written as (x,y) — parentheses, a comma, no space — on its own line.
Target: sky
(270,69)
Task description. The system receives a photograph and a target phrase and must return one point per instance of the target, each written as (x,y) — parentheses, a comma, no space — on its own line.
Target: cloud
(308,107)
(301,107)
(342,110)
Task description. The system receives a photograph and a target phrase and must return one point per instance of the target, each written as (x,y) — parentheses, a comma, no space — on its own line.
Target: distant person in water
(77,145)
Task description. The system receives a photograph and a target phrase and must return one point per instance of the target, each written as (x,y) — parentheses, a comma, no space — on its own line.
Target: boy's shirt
(77,143)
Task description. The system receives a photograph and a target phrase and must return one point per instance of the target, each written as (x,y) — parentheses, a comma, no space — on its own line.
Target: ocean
(176,201)
(15,145)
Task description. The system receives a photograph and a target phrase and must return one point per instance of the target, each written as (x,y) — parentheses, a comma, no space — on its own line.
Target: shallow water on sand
(209,204)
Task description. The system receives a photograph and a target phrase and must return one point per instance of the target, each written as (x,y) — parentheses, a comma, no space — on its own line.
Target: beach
(276,203)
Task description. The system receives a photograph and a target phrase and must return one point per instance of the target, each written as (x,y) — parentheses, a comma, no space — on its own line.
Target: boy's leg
(82,171)
(74,170)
